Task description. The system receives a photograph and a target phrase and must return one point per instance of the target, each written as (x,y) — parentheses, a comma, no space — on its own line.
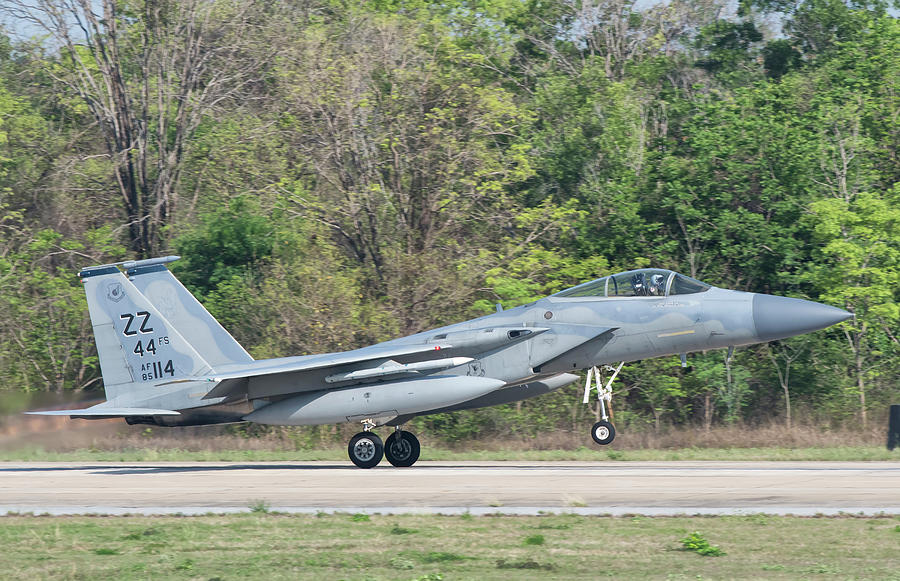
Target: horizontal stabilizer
(111,412)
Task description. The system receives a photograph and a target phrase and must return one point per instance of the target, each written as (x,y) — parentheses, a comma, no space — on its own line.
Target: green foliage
(859,263)
(528,564)
(259,506)
(780,57)
(229,244)
(534,266)
(534,540)
(441,557)
(46,335)
(727,45)
(658,384)
(857,268)
(696,543)
(402,564)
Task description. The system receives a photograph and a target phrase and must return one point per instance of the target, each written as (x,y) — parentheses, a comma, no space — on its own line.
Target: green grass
(594,454)
(337,546)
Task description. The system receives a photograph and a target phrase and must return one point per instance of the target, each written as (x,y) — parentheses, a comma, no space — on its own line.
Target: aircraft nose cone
(781,317)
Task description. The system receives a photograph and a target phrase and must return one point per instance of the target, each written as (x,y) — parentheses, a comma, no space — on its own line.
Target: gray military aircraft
(166,361)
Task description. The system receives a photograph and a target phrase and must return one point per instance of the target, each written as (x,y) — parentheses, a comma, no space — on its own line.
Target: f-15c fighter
(166,361)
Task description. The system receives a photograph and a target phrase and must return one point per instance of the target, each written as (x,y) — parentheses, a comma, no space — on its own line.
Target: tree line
(337,173)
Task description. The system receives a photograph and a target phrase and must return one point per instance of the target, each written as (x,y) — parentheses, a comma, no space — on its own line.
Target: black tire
(402,449)
(365,449)
(603,432)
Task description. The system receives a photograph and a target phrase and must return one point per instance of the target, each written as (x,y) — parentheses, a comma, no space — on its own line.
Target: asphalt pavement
(651,488)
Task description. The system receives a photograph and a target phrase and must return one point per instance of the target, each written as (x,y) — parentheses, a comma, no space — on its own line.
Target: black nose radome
(781,317)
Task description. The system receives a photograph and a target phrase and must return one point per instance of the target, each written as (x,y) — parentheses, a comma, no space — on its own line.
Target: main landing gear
(366,449)
(603,432)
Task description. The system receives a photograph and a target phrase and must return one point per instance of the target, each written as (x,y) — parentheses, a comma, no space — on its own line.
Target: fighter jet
(166,361)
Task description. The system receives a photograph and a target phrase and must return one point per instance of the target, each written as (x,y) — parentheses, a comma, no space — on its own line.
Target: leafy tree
(784,355)
(47,339)
(148,73)
(780,57)
(659,384)
(857,267)
(226,245)
(727,45)
(721,382)
(405,157)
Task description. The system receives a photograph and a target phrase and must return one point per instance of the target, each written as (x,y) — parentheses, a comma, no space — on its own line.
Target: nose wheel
(603,432)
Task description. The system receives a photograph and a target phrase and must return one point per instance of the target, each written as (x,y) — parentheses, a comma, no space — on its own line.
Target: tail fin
(187,315)
(137,345)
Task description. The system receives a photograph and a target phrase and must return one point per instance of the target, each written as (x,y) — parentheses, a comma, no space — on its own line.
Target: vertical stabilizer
(187,315)
(138,347)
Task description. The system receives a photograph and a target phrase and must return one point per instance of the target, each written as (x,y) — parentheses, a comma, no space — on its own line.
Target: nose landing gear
(603,432)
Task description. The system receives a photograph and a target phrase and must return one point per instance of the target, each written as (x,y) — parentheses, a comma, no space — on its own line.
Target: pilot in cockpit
(657,285)
(648,285)
(637,284)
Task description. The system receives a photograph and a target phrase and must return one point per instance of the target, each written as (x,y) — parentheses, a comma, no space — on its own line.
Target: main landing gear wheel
(402,449)
(365,449)
(603,432)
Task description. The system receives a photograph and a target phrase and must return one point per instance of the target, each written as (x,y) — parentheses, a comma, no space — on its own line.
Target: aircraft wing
(101,412)
(230,382)
(377,361)
(363,355)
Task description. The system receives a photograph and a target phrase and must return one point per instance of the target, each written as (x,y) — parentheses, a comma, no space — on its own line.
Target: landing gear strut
(603,432)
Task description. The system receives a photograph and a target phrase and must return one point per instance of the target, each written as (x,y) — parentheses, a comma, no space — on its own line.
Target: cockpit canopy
(646,282)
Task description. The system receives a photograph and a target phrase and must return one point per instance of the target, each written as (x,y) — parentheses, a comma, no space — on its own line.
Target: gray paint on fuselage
(501,396)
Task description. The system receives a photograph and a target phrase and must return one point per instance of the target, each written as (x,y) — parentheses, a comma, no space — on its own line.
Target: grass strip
(266,545)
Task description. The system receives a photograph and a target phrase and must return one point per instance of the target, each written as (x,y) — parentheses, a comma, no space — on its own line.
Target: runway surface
(652,488)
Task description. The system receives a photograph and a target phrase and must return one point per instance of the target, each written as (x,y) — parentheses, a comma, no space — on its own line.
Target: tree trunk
(861,387)
(787,405)
(707,412)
